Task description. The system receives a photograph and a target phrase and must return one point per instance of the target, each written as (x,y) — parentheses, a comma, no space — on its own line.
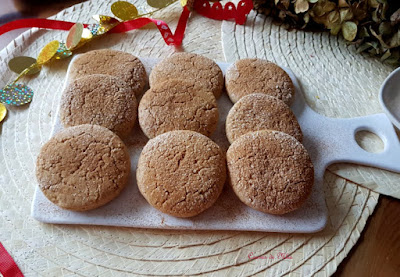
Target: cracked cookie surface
(270,171)
(111,62)
(249,76)
(256,112)
(177,105)
(203,71)
(83,167)
(100,100)
(181,173)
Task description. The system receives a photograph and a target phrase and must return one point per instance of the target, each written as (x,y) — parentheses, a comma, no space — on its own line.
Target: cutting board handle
(378,124)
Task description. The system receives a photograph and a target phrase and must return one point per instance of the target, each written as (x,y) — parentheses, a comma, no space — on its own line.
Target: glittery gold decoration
(62,52)
(97,29)
(86,34)
(107,21)
(74,36)
(124,10)
(3,112)
(159,4)
(16,95)
(19,64)
(48,52)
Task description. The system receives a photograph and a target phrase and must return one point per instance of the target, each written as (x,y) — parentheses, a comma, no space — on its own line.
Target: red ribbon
(36,22)
(228,12)
(203,7)
(168,36)
(8,268)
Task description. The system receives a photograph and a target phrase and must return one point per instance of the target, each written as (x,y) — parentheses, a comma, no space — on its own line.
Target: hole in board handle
(369,141)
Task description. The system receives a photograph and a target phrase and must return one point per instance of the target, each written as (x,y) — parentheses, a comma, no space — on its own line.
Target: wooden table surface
(377,252)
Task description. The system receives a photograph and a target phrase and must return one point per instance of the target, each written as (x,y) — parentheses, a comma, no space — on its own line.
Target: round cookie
(111,62)
(83,167)
(203,71)
(249,76)
(256,112)
(181,173)
(270,171)
(177,105)
(100,100)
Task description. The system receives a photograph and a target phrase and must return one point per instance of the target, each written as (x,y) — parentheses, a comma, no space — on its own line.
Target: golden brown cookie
(249,76)
(256,112)
(111,62)
(270,171)
(188,66)
(177,105)
(181,173)
(83,167)
(101,100)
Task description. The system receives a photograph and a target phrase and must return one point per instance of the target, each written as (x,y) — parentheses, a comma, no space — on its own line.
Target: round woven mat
(58,250)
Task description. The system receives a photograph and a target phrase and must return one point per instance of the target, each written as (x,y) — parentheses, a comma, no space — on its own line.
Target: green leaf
(373,44)
(395,40)
(386,55)
(333,17)
(395,17)
(363,47)
(329,6)
(342,3)
(346,14)
(374,3)
(336,29)
(349,30)
(385,28)
(363,33)
(375,16)
(392,61)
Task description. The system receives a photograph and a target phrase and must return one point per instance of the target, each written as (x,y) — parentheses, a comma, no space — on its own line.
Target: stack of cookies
(269,169)
(87,164)
(181,171)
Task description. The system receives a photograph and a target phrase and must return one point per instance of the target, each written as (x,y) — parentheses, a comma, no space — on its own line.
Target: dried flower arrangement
(372,25)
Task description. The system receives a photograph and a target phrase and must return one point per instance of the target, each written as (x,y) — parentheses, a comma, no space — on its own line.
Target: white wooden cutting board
(328,141)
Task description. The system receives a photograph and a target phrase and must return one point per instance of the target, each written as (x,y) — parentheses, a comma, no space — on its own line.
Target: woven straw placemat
(61,250)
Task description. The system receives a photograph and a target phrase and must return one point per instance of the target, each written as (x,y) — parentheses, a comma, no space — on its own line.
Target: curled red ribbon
(8,268)
(215,11)
(168,36)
